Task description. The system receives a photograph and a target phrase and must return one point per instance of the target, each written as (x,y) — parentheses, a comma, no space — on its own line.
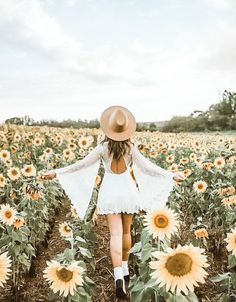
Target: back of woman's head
(117,148)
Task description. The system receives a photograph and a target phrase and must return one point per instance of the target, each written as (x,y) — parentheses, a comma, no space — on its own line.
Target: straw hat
(118,123)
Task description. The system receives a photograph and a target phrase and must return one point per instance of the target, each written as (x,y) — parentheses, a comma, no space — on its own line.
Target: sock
(118,274)
(125,268)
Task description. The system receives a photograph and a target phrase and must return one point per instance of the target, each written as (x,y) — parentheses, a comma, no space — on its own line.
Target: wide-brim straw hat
(118,123)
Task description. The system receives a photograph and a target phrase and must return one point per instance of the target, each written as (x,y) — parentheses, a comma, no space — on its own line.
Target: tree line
(219,116)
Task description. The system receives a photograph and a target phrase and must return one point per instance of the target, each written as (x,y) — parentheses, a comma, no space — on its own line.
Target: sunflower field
(185,251)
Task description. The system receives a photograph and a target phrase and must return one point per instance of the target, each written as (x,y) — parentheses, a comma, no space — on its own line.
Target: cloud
(220,4)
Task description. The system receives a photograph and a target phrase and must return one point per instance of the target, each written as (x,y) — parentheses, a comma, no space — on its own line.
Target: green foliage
(220,116)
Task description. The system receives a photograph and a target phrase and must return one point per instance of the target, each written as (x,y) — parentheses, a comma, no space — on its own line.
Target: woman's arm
(90,159)
(147,166)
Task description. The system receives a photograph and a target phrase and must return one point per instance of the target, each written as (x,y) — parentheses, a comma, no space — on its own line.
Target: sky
(63,59)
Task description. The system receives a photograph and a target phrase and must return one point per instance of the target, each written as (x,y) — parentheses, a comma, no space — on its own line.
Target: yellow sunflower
(179,269)
(63,278)
(231,240)
(19,222)
(5,263)
(65,230)
(84,142)
(13,173)
(228,201)
(219,162)
(170,158)
(68,154)
(97,180)
(201,233)
(4,155)
(161,223)
(7,214)
(200,186)
(2,181)
(28,170)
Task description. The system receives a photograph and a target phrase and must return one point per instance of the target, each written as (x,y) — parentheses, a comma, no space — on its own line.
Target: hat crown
(118,120)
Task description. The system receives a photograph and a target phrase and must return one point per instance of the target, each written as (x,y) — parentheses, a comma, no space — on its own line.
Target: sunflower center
(161,221)
(83,142)
(4,155)
(28,170)
(8,214)
(64,274)
(67,229)
(14,172)
(179,264)
(200,186)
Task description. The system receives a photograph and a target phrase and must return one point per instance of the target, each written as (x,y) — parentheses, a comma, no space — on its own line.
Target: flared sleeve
(154,182)
(78,179)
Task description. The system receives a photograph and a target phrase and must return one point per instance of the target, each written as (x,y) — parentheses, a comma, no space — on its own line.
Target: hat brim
(118,136)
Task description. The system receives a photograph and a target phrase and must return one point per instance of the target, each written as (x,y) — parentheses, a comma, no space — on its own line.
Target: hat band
(118,128)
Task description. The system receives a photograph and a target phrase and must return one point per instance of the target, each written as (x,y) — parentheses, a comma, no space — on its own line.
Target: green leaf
(231,261)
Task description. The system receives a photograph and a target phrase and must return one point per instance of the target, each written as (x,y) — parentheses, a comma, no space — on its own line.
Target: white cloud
(221,4)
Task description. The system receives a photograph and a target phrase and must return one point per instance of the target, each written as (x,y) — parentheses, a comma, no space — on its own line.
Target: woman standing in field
(123,192)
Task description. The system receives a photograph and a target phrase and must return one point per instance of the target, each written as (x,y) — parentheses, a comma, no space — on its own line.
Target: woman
(123,192)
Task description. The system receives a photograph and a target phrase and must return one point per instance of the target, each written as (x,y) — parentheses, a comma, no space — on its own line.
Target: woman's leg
(127,242)
(115,227)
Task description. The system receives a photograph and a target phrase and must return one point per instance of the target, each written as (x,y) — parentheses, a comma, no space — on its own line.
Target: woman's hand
(179,176)
(46,176)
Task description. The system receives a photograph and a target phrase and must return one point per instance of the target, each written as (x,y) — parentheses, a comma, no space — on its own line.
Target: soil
(34,288)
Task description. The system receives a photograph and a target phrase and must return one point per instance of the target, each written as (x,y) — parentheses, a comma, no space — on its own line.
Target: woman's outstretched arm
(148,167)
(90,159)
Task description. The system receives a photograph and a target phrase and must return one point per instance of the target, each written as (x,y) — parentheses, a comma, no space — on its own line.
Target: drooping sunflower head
(65,230)
(63,278)
(231,240)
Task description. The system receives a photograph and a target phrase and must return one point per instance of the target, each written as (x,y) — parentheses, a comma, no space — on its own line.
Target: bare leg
(115,227)
(127,242)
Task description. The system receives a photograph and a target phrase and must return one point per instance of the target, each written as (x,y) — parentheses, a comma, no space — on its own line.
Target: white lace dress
(118,192)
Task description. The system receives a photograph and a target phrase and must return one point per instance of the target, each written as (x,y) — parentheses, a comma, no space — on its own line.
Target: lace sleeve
(93,157)
(146,166)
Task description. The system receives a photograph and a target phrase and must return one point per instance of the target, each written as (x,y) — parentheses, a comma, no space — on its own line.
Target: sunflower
(4,155)
(219,162)
(2,181)
(48,152)
(231,240)
(97,180)
(19,222)
(200,186)
(72,146)
(170,158)
(184,161)
(228,201)
(179,269)
(68,154)
(84,142)
(37,141)
(63,278)
(5,263)
(14,173)
(65,230)
(29,170)
(173,167)
(187,172)
(161,223)
(7,214)
(201,233)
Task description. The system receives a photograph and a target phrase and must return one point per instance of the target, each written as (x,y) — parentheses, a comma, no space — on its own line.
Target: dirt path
(35,287)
